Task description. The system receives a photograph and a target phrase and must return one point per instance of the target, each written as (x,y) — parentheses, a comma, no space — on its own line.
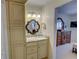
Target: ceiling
(38,2)
(69,8)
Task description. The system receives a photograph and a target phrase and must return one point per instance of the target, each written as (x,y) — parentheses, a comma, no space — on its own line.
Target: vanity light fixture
(33,16)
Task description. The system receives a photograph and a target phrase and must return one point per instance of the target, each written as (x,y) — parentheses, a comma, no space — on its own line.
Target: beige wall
(49,19)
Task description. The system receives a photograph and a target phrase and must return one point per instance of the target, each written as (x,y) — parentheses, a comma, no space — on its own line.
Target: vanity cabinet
(42,49)
(37,49)
(31,50)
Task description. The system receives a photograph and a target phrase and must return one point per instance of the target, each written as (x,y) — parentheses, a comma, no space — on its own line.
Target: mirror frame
(33,31)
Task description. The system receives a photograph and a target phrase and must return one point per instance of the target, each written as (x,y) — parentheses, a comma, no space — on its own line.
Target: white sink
(30,39)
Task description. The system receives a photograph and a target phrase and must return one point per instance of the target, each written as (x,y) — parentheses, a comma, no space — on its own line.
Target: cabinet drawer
(31,49)
(31,44)
(42,42)
(33,56)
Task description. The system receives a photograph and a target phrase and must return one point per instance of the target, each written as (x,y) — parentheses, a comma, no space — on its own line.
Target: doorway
(66,33)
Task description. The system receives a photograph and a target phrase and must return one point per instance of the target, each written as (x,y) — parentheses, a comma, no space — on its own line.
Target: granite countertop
(31,39)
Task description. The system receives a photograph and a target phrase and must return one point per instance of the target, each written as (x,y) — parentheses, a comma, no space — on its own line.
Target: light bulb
(34,15)
(29,15)
(38,16)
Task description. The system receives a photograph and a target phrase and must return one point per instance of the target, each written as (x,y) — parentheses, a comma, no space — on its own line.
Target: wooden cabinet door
(42,49)
(32,56)
(17,17)
(18,52)
(16,30)
(20,1)
(31,49)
